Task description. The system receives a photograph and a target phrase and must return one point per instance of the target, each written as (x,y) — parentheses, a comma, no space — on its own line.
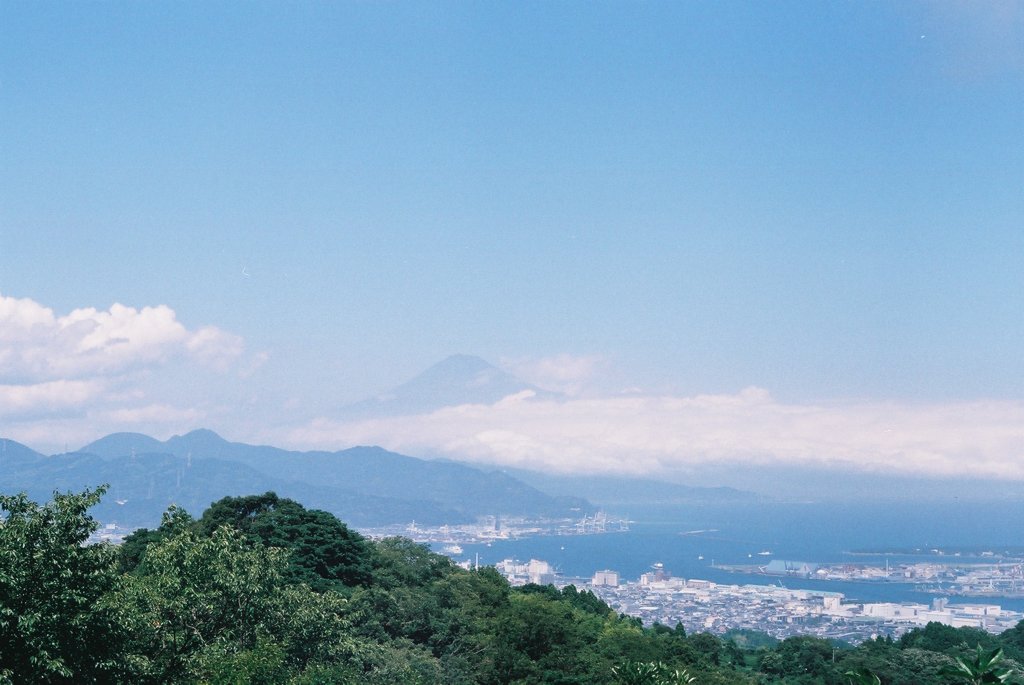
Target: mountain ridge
(366,485)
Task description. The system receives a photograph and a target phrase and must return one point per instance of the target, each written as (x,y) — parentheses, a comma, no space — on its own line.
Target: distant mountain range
(364,486)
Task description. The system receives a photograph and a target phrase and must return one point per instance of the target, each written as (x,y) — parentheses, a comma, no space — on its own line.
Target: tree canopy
(261,590)
(54,628)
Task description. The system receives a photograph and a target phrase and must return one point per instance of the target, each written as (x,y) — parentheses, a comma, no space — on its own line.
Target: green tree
(912,666)
(325,553)
(803,659)
(544,640)
(132,549)
(199,606)
(651,673)
(863,676)
(260,664)
(981,667)
(708,648)
(636,673)
(623,643)
(53,626)
(1012,641)
(400,562)
(938,637)
(586,601)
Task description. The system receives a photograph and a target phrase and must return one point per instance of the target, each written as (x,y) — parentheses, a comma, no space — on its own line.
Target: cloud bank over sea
(640,435)
(70,378)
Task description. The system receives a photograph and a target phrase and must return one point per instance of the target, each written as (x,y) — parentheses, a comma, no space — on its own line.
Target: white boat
(452,549)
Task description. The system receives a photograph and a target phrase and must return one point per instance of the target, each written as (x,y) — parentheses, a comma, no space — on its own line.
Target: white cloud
(102,367)
(62,431)
(47,397)
(150,414)
(215,347)
(37,346)
(565,373)
(254,364)
(653,434)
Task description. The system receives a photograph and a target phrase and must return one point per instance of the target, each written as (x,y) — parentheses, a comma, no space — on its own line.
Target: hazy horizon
(716,235)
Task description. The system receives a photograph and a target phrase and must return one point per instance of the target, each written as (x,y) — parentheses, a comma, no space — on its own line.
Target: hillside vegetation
(260,589)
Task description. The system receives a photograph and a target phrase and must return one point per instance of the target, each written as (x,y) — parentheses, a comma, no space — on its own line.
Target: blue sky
(824,202)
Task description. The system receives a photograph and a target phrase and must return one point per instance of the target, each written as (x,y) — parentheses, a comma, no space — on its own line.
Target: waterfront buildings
(605,579)
(705,606)
(533,571)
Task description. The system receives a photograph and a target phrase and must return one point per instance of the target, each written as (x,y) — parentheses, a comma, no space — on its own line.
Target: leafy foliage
(937,637)
(261,590)
(324,552)
(863,676)
(53,628)
(981,667)
(651,673)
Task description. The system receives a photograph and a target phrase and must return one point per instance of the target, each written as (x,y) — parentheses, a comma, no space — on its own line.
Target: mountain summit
(459,379)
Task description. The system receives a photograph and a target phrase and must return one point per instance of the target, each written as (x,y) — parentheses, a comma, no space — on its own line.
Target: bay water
(689,539)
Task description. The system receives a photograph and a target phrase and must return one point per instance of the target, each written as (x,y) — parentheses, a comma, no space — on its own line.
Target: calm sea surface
(821,533)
